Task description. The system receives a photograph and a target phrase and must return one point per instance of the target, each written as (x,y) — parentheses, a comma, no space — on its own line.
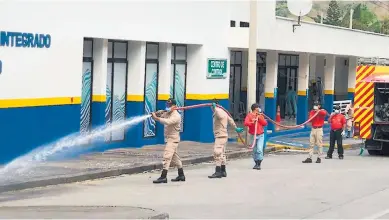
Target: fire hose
(255,132)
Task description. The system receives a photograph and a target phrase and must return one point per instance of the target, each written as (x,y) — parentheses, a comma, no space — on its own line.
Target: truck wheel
(385,149)
(374,152)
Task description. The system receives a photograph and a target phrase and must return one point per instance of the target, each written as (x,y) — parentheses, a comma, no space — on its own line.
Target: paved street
(356,187)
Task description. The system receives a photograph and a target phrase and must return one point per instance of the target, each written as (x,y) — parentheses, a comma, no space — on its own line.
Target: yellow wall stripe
(328,92)
(269,95)
(99,98)
(53,101)
(206,96)
(163,96)
(17,103)
(351,90)
(302,93)
(134,98)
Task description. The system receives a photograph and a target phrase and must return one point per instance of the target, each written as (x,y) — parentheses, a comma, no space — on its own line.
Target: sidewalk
(117,162)
(110,163)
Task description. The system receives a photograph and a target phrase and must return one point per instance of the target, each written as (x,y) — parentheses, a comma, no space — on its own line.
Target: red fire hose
(239,135)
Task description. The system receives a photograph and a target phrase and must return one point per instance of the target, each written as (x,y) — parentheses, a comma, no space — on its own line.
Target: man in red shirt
(255,122)
(316,137)
(338,126)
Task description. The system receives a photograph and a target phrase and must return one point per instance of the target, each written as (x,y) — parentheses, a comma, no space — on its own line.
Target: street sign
(217,69)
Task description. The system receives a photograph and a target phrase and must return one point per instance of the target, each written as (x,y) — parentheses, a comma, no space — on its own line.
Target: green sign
(217,69)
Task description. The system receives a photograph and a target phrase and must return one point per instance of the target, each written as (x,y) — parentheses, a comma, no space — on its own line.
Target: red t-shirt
(249,122)
(337,121)
(318,121)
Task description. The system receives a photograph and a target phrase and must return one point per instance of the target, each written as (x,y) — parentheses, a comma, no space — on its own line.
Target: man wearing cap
(171,119)
(220,121)
(256,122)
(316,136)
(338,126)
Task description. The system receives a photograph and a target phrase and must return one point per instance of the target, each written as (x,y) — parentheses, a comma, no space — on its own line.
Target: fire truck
(371,106)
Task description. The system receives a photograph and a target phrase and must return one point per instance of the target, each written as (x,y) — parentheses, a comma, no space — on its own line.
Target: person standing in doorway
(171,119)
(338,125)
(256,122)
(291,102)
(316,136)
(220,121)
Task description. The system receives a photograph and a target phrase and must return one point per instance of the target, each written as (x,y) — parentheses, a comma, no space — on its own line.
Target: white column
(352,73)
(252,65)
(271,86)
(329,82)
(100,53)
(271,73)
(303,74)
(165,71)
(329,75)
(302,98)
(136,70)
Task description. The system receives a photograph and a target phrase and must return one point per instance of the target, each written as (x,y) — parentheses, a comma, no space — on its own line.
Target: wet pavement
(122,158)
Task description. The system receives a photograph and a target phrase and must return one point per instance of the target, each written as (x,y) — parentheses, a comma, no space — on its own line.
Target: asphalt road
(355,188)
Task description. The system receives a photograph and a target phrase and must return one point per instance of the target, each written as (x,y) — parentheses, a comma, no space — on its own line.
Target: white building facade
(72,66)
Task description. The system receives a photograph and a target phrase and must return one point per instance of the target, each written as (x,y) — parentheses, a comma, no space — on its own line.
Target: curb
(82,212)
(287,147)
(116,172)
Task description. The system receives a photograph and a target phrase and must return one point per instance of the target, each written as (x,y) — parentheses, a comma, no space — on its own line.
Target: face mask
(167,109)
(259,110)
(315,107)
(337,111)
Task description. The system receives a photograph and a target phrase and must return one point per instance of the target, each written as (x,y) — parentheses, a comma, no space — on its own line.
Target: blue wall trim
(42,125)
(271,109)
(302,109)
(350,96)
(328,103)
(23,129)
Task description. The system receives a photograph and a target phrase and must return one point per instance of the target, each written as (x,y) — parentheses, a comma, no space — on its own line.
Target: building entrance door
(287,76)
(235,83)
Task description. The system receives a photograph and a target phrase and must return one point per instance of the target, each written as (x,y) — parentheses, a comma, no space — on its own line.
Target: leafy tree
(363,19)
(334,14)
(282,8)
(385,26)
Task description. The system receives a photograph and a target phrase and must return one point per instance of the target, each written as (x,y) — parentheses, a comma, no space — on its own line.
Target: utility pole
(351,18)
(321,18)
(252,58)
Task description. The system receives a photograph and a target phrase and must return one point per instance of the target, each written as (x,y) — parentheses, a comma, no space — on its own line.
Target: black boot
(223,171)
(341,157)
(318,160)
(328,157)
(217,173)
(163,178)
(308,160)
(180,177)
(259,164)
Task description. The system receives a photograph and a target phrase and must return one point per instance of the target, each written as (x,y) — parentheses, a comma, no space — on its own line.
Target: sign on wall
(23,40)
(217,69)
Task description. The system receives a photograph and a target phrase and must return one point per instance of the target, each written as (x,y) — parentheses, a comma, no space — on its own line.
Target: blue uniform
(291,102)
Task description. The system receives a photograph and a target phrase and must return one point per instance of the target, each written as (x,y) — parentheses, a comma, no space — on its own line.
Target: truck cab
(377,142)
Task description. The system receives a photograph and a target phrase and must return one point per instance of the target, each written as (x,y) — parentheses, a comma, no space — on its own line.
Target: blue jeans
(258,148)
